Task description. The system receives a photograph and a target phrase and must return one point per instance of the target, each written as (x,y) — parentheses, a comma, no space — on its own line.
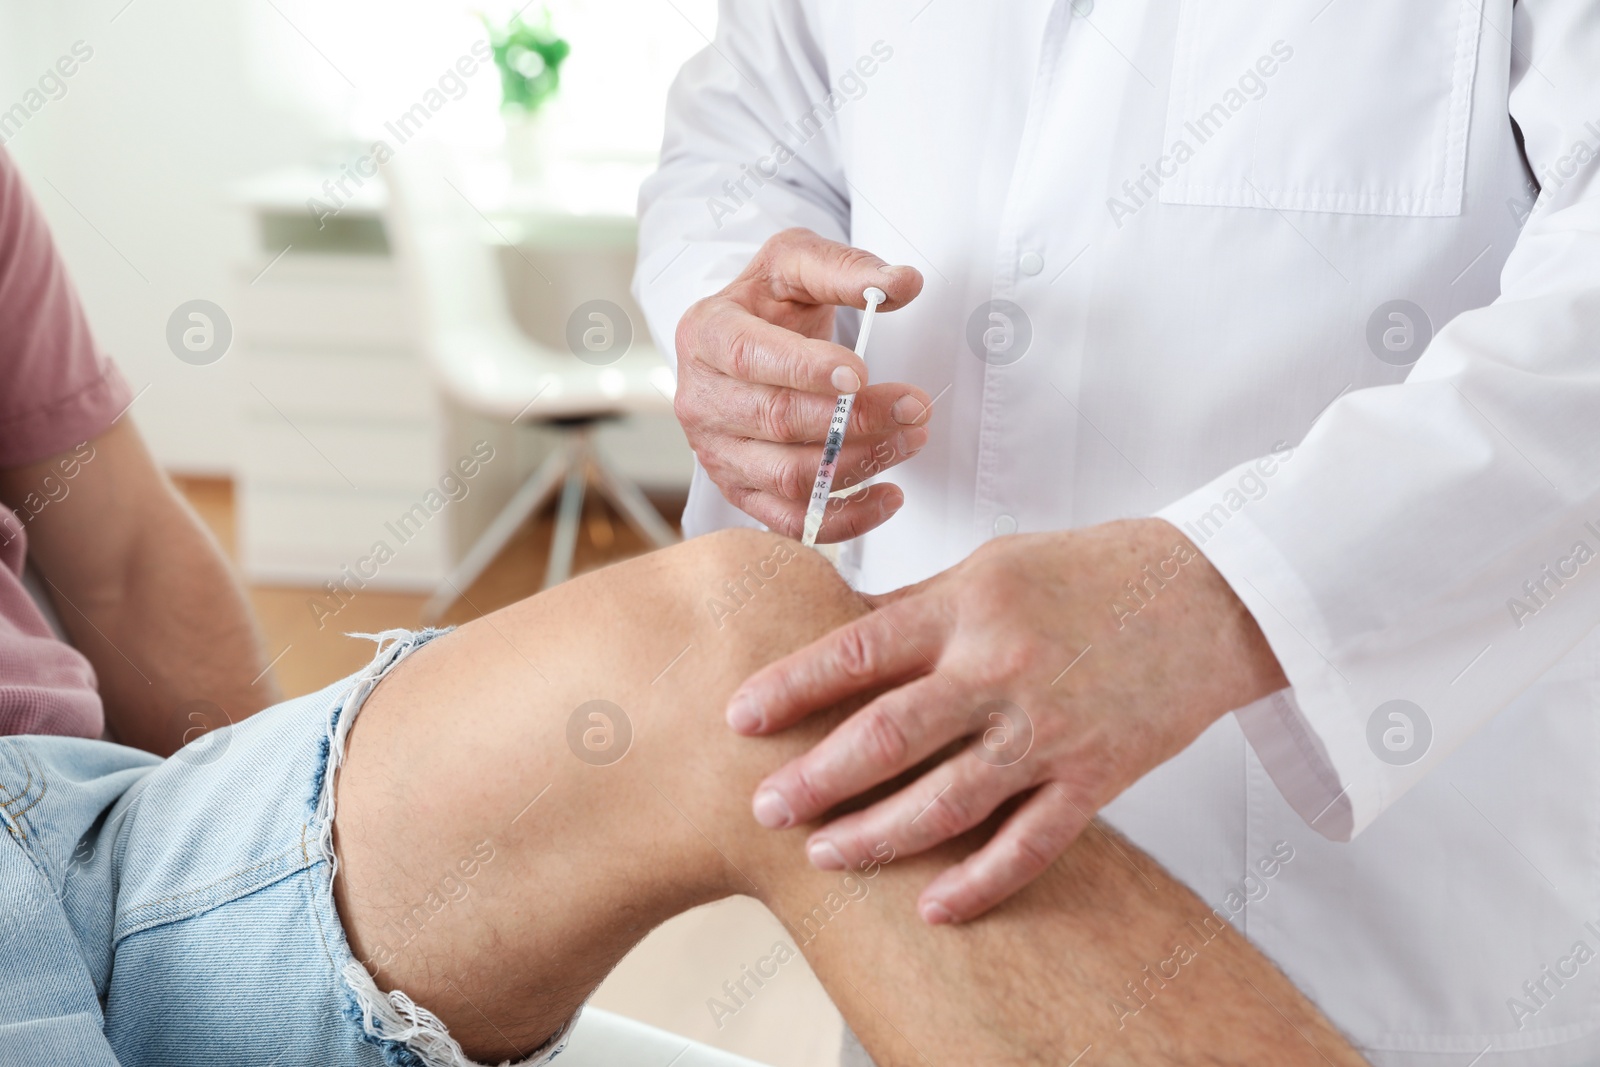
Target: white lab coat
(1204,211)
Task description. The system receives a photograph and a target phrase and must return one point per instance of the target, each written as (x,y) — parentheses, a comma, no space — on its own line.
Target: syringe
(818,508)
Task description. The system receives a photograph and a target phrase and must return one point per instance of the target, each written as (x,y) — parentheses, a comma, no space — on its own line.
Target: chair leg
(639,512)
(533,494)
(564,540)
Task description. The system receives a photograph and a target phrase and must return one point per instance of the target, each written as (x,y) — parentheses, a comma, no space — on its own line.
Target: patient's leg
(467,759)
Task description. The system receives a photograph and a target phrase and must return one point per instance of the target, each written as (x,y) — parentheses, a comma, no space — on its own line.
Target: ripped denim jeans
(180,912)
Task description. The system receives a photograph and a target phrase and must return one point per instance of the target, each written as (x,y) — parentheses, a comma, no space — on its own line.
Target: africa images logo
(1399,732)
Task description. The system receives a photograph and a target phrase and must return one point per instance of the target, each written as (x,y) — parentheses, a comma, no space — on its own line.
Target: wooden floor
(310,653)
(670,979)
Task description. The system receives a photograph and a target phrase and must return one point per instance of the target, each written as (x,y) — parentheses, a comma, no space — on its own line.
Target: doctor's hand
(758,375)
(1044,675)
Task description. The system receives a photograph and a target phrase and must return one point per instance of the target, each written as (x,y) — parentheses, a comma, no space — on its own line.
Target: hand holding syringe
(759,376)
(822,490)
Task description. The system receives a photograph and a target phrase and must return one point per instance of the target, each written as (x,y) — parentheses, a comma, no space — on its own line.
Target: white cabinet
(342,432)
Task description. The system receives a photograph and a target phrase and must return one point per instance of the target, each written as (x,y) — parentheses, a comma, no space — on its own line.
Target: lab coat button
(1005,524)
(1031,263)
(1083,8)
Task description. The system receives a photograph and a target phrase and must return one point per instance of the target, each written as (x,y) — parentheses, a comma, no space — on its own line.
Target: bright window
(353,66)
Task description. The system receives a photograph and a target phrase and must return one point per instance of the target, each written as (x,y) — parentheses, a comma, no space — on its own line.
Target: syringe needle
(817,509)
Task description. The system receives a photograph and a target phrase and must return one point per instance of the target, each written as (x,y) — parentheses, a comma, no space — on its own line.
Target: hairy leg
(505,839)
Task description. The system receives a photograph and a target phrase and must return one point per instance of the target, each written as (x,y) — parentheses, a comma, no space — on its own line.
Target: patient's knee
(766,593)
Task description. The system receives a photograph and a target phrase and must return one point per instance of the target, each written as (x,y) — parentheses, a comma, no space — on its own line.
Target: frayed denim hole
(395,1054)
(382,1018)
(324,749)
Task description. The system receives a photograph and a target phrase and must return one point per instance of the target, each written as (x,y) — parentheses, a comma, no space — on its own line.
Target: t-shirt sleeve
(57,389)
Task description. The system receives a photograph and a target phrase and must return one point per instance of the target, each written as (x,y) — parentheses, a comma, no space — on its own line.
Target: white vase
(530,144)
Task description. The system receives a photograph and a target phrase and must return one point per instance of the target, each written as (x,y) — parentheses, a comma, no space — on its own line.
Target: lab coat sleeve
(1437,542)
(749,151)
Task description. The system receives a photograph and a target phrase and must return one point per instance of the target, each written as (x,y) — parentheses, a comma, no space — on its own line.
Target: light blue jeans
(180,912)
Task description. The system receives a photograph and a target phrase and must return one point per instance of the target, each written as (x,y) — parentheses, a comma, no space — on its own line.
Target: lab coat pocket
(1352,106)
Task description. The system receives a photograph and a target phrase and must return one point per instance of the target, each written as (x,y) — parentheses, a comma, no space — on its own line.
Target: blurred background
(366,266)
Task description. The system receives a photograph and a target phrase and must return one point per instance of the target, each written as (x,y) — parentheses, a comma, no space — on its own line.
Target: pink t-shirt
(57,391)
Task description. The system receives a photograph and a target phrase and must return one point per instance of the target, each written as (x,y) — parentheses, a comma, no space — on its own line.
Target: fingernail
(890,502)
(824,856)
(912,440)
(771,810)
(743,715)
(846,380)
(908,410)
(935,914)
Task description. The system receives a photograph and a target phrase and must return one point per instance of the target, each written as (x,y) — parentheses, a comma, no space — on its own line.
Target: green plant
(529,55)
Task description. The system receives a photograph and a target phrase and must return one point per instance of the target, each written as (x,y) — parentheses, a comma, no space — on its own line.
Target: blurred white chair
(481,358)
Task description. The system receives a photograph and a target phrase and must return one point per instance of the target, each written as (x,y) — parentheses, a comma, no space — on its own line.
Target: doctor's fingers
(790,471)
(877,650)
(1029,841)
(722,336)
(891,735)
(801,266)
(949,800)
(769,413)
(846,517)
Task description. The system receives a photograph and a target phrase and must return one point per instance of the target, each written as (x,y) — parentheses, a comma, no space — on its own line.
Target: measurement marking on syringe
(820,490)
